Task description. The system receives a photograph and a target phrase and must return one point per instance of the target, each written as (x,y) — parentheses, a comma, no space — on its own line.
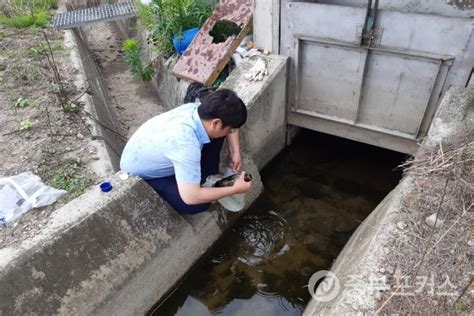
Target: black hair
(196,90)
(223,104)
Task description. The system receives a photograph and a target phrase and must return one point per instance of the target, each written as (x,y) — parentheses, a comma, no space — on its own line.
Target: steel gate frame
(353,127)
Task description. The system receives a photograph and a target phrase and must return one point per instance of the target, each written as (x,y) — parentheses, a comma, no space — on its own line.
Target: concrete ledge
(108,253)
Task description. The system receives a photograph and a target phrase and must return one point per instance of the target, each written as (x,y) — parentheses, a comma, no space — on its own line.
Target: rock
(397,273)
(80,136)
(402,225)
(355,307)
(386,250)
(432,222)
(382,270)
(378,296)
(67,149)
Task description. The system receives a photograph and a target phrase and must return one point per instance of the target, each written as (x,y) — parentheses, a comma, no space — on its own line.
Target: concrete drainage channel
(120,252)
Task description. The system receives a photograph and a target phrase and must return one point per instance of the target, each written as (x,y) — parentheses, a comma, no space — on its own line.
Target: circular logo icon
(328,289)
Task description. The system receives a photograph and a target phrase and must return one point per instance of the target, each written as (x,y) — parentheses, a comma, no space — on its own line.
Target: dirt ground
(37,133)
(135,101)
(57,144)
(430,265)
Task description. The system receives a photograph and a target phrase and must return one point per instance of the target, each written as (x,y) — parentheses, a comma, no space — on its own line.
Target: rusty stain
(214,56)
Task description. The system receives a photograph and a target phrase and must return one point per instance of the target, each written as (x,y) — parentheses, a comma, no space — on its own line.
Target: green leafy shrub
(164,18)
(26,13)
(131,49)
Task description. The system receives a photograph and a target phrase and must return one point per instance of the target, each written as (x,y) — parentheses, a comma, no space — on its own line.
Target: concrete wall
(107,126)
(265,130)
(365,250)
(452,8)
(171,89)
(266,25)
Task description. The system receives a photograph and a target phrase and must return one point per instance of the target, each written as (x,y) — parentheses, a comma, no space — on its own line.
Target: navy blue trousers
(168,188)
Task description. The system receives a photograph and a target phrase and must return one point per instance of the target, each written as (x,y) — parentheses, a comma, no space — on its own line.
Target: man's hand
(235,161)
(193,193)
(241,185)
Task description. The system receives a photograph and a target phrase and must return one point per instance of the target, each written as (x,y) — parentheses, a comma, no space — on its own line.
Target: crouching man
(176,151)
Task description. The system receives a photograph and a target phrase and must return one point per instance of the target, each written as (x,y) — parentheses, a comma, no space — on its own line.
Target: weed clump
(22,14)
(165,18)
(131,49)
(66,175)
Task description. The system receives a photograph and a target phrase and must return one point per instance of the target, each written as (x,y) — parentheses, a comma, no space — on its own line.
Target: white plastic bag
(233,203)
(22,192)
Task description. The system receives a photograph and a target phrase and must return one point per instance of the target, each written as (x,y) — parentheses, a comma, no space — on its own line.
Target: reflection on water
(316,194)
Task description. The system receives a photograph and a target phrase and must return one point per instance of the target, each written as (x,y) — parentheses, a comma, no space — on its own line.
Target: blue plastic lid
(105,186)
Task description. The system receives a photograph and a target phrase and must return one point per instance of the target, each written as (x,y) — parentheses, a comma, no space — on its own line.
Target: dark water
(317,192)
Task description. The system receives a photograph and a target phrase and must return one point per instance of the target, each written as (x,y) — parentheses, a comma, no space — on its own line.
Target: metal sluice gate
(102,13)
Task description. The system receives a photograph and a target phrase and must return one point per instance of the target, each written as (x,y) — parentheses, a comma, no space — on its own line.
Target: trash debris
(433,221)
(250,44)
(258,71)
(253,52)
(180,43)
(105,186)
(123,175)
(236,58)
(22,192)
(204,59)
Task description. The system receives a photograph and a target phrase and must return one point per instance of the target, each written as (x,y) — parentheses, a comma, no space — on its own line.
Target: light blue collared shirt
(167,144)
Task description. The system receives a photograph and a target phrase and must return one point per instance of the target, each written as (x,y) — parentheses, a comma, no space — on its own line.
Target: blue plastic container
(181,44)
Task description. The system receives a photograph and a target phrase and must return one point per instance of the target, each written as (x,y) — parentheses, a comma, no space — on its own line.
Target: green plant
(460,308)
(40,49)
(131,49)
(56,87)
(69,106)
(164,18)
(67,176)
(23,103)
(24,73)
(31,13)
(25,125)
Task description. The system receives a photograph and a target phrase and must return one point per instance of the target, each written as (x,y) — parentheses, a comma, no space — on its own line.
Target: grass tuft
(26,13)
